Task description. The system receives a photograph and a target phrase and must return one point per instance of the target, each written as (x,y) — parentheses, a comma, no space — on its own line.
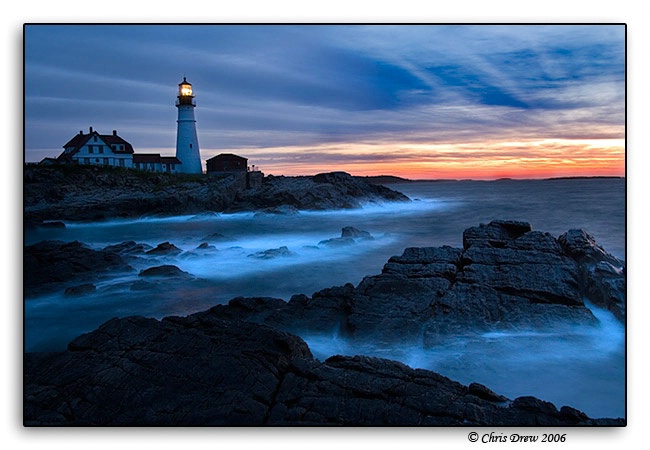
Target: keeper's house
(97,149)
(111,150)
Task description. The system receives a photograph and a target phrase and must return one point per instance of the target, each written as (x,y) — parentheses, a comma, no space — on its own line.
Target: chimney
(91,130)
(114,132)
(81,131)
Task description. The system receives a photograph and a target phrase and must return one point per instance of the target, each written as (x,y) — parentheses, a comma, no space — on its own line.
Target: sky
(417,101)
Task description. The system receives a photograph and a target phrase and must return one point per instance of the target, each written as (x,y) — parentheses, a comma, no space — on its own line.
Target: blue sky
(302,98)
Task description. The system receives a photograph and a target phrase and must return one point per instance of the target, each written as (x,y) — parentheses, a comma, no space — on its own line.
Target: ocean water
(584,368)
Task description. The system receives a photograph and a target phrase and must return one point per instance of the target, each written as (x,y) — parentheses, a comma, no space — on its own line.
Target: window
(190,145)
(121,163)
(100,148)
(94,138)
(91,149)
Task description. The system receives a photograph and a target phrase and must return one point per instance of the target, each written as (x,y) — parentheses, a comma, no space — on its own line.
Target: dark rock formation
(349,236)
(128,248)
(355,233)
(91,193)
(200,251)
(337,242)
(602,275)
(164,271)
(205,246)
(49,265)
(495,234)
(272,253)
(164,249)
(204,371)
(507,277)
(337,190)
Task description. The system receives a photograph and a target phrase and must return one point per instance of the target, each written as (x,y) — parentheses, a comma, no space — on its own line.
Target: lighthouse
(187,143)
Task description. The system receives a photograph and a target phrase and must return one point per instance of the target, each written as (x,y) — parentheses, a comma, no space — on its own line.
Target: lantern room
(185,95)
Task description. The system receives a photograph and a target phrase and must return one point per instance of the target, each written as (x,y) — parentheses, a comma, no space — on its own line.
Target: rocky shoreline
(53,194)
(244,363)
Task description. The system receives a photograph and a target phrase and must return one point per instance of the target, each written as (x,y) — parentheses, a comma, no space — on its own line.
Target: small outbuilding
(227,162)
(153,162)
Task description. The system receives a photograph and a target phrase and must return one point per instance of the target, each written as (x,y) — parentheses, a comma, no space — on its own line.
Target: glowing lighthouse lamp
(187,142)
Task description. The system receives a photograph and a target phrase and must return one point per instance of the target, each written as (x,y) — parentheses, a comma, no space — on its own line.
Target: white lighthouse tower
(187,143)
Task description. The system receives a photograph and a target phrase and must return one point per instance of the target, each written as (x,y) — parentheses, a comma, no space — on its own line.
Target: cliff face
(82,193)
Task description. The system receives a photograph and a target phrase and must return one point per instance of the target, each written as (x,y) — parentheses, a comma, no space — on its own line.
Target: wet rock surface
(204,371)
(244,364)
(272,253)
(51,265)
(90,193)
(349,236)
(502,280)
(166,270)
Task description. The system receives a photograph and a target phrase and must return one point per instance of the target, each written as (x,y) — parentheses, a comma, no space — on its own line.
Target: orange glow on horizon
(544,158)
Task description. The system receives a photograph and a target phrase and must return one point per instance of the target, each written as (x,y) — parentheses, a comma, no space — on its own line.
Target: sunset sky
(418,101)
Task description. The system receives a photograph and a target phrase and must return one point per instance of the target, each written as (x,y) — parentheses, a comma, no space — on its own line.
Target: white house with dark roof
(111,150)
(98,149)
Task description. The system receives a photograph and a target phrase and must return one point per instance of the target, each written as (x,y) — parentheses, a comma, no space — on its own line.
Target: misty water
(584,368)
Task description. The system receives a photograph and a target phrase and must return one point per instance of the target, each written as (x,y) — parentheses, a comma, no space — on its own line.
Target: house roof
(170,160)
(110,139)
(155,158)
(227,157)
(113,139)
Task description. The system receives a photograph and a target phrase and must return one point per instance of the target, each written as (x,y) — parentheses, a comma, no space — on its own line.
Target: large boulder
(164,249)
(128,248)
(272,253)
(50,265)
(165,271)
(602,275)
(508,277)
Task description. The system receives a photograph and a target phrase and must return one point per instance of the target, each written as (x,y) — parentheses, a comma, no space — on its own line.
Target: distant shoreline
(391,179)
